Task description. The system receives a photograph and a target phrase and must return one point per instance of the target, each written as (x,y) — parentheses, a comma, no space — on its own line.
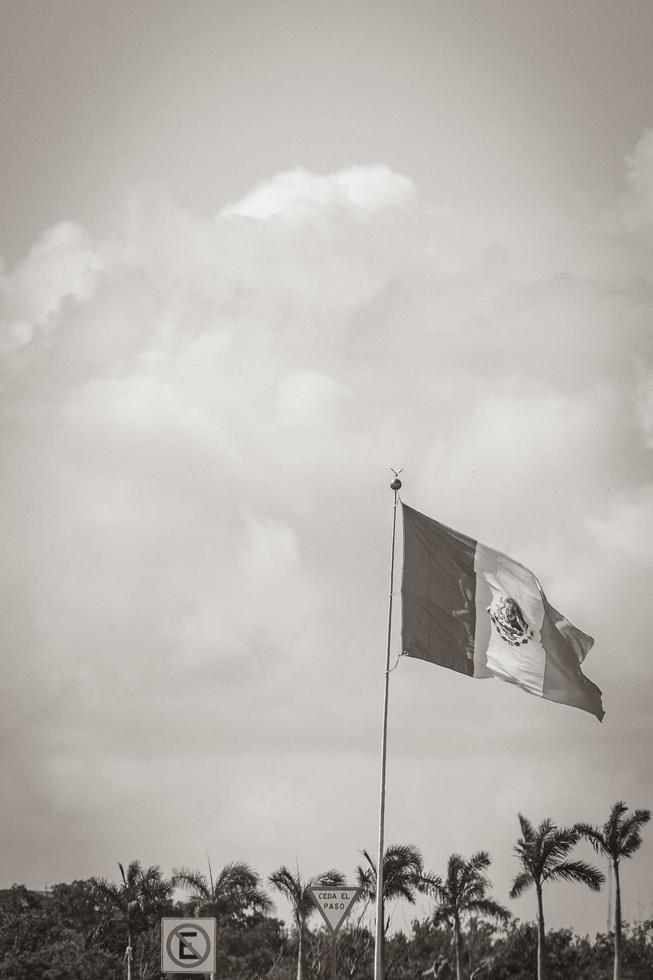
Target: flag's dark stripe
(438,593)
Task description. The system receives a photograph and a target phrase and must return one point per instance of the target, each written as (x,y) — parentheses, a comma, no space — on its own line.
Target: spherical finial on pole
(396,484)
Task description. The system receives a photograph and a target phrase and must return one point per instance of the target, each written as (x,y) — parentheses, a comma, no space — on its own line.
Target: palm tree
(619,837)
(403,870)
(543,856)
(233,894)
(143,891)
(403,876)
(463,892)
(297,891)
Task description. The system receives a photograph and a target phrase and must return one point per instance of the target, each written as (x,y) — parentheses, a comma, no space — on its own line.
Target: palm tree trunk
(129,955)
(458,944)
(302,971)
(541,968)
(617,923)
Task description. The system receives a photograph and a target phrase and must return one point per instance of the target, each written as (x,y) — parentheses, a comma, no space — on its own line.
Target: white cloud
(301,196)
(63,265)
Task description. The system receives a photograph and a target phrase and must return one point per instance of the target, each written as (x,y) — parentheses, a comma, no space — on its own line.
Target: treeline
(102,930)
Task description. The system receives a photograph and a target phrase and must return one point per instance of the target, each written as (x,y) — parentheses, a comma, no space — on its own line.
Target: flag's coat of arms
(481,613)
(508,620)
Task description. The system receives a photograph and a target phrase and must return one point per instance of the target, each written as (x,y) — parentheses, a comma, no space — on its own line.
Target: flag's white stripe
(499,576)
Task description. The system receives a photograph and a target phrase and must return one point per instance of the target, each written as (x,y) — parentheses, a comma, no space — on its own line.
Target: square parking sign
(188,945)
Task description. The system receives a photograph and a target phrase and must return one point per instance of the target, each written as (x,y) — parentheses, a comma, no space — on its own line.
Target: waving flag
(479,612)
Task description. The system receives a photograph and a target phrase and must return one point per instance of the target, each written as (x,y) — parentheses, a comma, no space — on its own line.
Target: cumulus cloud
(63,265)
(198,419)
(300,196)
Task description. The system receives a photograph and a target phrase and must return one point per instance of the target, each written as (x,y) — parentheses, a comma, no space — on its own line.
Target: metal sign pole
(334,955)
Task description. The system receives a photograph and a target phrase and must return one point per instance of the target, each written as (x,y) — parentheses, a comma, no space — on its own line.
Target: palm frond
(555,844)
(631,838)
(191,879)
(285,882)
(479,862)
(617,810)
(593,835)
(370,860)
(133,873)
(208,861)
(332,877)
(578,871)
(441,914)
(521,883)
(108,891)
(489,908)
(527,829)
(433,885)
(366,882)
(236,874)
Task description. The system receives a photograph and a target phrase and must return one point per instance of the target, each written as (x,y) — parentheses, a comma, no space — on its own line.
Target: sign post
(188,945)
(334,905)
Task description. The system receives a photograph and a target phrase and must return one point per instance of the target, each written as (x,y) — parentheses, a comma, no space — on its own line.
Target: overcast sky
(254,255)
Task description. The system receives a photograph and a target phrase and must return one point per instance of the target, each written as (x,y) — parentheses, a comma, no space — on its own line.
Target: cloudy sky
(254,255)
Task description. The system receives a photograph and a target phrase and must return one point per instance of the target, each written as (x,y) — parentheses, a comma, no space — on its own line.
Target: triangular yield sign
(334,904)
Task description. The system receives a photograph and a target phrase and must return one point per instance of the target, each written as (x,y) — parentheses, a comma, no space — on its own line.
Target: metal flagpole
(378,946)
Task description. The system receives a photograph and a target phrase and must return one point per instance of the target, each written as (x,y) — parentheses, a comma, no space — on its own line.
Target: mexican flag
(479,612)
